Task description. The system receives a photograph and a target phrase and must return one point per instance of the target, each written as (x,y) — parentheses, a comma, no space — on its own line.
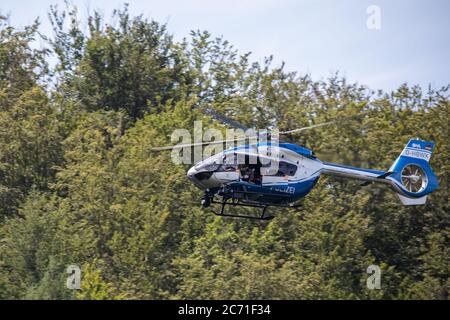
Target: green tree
(132,65)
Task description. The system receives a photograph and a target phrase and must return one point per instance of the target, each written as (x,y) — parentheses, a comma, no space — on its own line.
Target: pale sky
(318,37)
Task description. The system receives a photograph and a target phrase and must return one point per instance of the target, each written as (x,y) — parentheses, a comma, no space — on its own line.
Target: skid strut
(225,202)
(236,200)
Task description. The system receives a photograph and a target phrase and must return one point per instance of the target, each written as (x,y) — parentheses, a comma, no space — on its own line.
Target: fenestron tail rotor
(414,179)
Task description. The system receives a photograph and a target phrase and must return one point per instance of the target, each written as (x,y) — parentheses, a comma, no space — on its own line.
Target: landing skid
(224,203)
(209,199)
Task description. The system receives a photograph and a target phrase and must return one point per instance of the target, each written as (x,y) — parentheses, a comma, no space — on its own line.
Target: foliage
(80,185)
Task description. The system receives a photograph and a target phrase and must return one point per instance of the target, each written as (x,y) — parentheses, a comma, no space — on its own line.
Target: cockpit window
(228,163)
(227,168)
(230,159)
(205,166)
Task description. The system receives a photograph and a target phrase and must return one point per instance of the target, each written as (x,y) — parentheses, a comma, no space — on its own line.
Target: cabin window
(286,169)
(250,172)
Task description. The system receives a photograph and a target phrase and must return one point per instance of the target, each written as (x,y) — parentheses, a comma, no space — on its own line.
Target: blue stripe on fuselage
(280,192)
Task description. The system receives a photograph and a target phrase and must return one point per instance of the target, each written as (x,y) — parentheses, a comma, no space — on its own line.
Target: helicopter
(273,173)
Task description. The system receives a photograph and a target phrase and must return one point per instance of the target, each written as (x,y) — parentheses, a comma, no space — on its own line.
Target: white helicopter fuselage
(281,170)
(285,172)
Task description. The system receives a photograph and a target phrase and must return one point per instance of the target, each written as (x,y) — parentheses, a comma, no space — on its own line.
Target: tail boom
(353,173)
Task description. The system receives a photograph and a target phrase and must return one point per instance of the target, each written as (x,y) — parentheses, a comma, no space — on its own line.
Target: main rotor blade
(221,118)
(307,128)
(187,145)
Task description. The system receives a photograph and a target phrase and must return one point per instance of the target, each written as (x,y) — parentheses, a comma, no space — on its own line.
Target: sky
(408,41)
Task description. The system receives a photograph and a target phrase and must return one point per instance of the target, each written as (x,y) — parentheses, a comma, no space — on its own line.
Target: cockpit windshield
(250,167)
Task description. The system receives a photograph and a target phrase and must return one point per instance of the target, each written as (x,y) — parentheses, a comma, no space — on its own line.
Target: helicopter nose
(200,178)
(191,173)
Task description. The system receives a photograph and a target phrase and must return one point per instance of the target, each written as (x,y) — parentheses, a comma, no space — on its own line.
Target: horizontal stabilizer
(381,176)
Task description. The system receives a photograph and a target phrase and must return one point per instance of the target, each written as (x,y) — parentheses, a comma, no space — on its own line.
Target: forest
(80,185)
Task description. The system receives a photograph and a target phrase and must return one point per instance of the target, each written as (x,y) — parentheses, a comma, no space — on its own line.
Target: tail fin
(411,174)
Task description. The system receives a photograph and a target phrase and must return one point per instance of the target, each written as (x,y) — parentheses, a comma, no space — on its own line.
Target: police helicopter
(272,173)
